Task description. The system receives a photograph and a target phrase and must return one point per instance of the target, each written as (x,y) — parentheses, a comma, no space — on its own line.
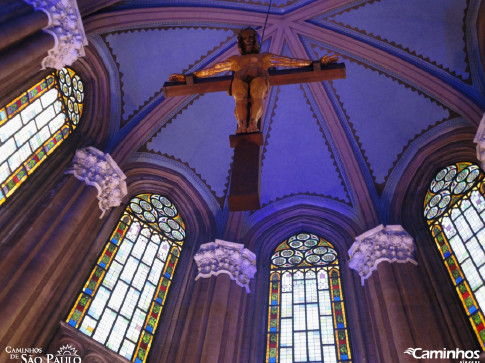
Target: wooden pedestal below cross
(244,192)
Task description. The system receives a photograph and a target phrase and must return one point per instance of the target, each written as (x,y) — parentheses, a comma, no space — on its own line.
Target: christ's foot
(241,130)
(253,127)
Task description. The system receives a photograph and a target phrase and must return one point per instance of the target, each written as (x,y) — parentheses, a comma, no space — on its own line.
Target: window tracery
(121,302)
(35,123)
(454,208)
(306,313)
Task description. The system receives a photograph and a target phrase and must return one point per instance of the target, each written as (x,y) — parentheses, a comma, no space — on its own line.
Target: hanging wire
(266,21)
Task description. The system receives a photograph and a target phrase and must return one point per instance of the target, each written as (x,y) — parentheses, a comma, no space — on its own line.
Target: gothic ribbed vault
(413,74)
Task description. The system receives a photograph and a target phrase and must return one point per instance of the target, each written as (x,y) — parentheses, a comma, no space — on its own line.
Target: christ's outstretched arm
(223,66)
(287,62)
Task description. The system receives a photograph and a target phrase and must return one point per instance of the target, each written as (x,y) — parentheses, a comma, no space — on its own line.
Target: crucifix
(253,73)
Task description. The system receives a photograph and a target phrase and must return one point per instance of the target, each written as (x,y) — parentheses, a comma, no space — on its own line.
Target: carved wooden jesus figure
(250,82)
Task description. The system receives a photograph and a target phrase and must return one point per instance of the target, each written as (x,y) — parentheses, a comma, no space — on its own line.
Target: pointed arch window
(121,302)
(35,123)
(306,313)
(454,208)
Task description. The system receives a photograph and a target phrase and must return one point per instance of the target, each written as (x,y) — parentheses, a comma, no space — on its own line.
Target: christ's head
(247,41)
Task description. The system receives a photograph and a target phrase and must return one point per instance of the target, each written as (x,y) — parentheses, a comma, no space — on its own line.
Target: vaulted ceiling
(413,73)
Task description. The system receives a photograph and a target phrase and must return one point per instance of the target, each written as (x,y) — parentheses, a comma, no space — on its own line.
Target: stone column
(222,336)
(38,34)
(66,27)
(44,262)
(16,28)
(214,322)
(401,312)
(23,45)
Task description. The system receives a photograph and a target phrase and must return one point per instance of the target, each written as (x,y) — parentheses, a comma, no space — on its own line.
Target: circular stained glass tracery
(73,91)
(287,253)
(303,250)
(449,183)
(160,213)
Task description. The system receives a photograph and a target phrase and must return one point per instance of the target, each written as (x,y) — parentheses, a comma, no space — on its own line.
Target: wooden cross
(246,169)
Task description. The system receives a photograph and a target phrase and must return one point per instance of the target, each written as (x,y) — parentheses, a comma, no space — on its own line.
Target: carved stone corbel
(101,171)
(230,258)
(66,27)
(390,243)
(480,141)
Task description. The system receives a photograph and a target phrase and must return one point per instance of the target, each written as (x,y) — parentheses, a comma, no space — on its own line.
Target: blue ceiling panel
(384,115)
(297,159)
(431,29)
(199,137)
(147,57)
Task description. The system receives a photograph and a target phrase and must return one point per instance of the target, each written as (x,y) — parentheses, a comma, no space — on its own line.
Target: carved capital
(66,27)
(390,243)
(480,141)
(230,258)
(100,170)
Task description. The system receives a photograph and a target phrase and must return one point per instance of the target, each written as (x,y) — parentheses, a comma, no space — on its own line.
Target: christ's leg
(258,90)
(240,93)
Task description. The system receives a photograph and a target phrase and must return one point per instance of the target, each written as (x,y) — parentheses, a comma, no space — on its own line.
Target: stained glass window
(306,313)
(121,303)
(34,124)
(454,208)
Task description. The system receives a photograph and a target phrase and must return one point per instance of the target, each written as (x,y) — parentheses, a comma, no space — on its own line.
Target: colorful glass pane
(122,300)
(448,186)
(306,313)
(72,89)
(32,126)
(160,214)
(459,232)
(303,250)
